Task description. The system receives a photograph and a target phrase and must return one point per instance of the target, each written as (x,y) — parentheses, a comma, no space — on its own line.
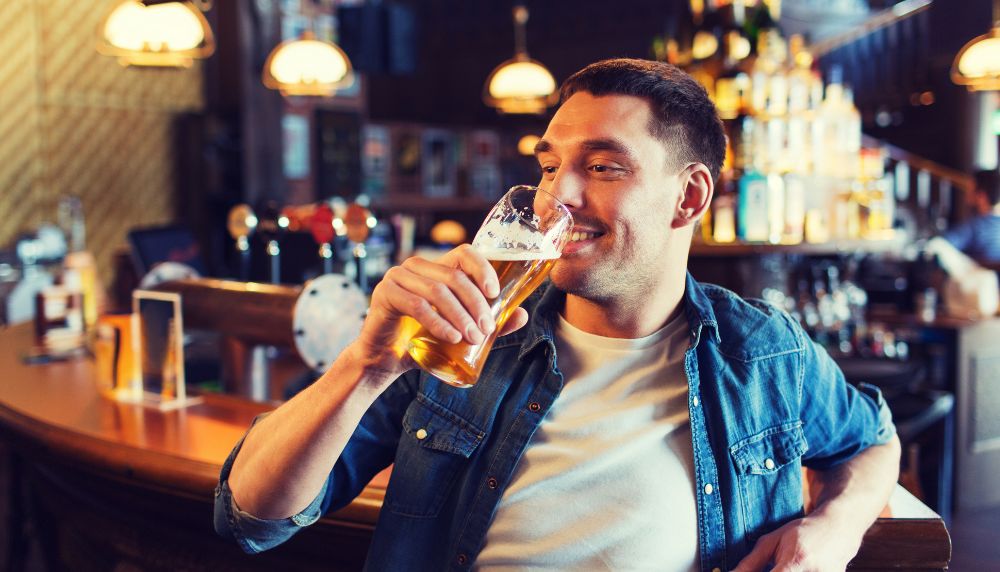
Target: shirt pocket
(434,448)
(769,474)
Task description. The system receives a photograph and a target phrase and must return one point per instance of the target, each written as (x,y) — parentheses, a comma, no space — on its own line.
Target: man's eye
(549,170)
(601,168)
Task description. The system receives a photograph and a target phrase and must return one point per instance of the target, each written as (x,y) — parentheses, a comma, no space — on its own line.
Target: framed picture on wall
(375,158)
(338,148)
(406,150)
(439,167)
(295,148)
(482,156)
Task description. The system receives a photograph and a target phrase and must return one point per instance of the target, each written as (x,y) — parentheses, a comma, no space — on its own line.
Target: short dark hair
(682,111)
(988,183)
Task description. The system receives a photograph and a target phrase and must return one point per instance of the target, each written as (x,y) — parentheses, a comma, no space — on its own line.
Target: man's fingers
(477,267)
(423,299)
(759,557)
(452,294)
(516,321)
(462,288)
(404,302)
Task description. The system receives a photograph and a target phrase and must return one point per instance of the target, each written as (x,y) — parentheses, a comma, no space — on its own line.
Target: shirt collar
(549,300)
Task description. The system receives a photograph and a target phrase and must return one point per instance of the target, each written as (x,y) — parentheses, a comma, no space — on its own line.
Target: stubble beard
(599,283)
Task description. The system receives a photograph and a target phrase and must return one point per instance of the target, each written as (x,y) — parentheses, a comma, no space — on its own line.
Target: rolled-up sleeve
(370,449)
(839,419)
(251,533)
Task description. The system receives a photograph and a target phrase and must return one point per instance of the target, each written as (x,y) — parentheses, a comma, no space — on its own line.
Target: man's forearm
(286,458)
(852,495)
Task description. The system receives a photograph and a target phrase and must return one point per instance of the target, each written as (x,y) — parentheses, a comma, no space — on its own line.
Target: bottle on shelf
(752,207)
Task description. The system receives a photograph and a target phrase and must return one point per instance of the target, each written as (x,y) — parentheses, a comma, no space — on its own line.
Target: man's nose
(568,187)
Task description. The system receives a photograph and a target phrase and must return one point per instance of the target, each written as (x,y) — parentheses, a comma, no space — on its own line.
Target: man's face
(599,158)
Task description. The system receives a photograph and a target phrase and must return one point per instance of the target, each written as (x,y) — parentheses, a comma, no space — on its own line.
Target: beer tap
(271,225)
(241,223)
(359,221)
(321,228)
(326,223)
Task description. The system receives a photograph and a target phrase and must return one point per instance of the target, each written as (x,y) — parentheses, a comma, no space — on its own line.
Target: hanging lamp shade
(520,84)
(307,67)
(977,65)
(171,34)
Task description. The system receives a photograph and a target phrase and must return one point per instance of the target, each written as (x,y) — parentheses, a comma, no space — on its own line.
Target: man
(979,237)
(641,420)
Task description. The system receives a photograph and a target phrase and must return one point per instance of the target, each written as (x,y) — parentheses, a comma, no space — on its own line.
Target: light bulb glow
(520,85)
(977,65)
(169,34)
(526,145)
(522,79)
(981,59)
(704,45)
(307,67)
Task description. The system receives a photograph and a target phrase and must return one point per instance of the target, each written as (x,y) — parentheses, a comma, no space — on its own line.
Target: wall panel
(75,122)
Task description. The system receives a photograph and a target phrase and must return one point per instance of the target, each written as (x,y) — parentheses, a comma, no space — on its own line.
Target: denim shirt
(764,401)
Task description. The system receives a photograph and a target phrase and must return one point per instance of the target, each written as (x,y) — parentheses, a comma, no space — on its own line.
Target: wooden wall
(75,122)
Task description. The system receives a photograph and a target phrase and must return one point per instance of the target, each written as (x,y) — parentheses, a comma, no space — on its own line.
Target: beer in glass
(522,238)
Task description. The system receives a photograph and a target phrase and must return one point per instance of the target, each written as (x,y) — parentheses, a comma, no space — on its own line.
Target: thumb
(516,321)
(759,557)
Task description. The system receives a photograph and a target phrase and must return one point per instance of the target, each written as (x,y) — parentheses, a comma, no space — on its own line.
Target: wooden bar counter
(110,486)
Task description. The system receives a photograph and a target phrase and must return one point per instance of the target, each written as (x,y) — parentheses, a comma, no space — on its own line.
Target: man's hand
(807,544)
(850,498)
(449,297)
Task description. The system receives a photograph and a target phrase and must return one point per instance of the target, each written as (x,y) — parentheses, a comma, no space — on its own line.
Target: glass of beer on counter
(522,237)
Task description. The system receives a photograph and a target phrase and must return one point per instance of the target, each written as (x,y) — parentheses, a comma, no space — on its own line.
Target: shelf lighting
(977,65)
(171,34)
(520,84)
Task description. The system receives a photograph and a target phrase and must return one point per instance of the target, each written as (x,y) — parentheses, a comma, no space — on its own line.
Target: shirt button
(769,464)
(421,434)
(461,559)
(695,401)
(492,483)
(709,489)
(534,406)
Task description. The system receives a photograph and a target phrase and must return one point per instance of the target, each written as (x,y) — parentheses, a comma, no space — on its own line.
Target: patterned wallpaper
(75,122)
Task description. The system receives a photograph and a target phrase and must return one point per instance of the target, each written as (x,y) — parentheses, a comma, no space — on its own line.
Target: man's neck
(629,319)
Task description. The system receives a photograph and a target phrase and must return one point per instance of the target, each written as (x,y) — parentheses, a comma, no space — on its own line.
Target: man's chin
(569,280)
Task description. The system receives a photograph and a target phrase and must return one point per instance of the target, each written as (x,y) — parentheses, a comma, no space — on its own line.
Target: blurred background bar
(269,160)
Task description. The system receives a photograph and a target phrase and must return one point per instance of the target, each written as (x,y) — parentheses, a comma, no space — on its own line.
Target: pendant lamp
(977,65)
(308,67)
(168,34)
(520,84)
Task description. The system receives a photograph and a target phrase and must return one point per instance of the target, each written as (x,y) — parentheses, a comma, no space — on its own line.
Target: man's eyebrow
(603,144)
(609,144)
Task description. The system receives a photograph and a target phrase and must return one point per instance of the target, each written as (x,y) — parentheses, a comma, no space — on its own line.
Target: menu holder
(158,347)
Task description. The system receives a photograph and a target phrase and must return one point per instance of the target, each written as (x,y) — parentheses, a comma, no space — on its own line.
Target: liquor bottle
(851,133)
(775,208)
(831,125)
(795,208)
(723,212)
(751,190)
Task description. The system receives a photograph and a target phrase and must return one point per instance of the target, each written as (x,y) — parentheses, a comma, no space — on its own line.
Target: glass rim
(558,204)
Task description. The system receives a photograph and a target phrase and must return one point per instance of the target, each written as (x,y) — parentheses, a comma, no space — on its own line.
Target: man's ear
(697,188)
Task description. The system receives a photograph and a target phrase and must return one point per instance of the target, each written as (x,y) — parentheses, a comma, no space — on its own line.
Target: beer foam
(513,242)
(512,254)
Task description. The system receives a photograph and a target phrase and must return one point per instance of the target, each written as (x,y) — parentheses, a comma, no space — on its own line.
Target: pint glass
(522,238)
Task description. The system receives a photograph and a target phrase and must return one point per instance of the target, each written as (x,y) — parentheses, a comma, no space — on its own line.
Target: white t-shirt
(607,481)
